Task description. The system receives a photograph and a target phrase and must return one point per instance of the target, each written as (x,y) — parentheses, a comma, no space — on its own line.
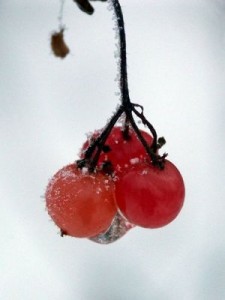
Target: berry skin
(121,151)
(150,197)
(81,205)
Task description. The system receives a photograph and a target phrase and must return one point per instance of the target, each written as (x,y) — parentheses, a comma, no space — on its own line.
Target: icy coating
(117,45)
(119,227)
(63,174)
(81,204)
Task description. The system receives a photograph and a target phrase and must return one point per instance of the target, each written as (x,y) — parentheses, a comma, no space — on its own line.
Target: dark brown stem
(93,152)
(123,54)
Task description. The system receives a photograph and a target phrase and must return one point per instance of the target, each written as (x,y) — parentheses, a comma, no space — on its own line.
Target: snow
(134,161)
(84,170)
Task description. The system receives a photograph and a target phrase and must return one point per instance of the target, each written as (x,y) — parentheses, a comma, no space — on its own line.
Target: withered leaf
(58,45)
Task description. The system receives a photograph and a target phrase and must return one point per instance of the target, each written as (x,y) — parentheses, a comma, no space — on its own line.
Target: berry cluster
(84,200)
(120,180)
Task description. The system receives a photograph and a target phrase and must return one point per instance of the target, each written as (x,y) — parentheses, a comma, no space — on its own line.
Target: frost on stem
(126,110)
(124,113)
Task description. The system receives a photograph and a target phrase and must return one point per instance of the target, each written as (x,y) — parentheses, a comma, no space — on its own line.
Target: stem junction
(127,108)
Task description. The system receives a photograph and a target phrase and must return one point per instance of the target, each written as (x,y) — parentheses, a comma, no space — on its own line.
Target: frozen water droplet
(117,78)
(110,6)
(119,227)
(116,54)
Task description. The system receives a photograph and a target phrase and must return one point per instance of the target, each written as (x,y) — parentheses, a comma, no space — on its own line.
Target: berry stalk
(127,108)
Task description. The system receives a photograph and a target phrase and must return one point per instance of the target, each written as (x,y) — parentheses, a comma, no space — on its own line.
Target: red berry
(81,205)
(150,197)
(122,152)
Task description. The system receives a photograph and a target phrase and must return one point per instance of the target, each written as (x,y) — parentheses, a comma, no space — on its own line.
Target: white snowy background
(176,68)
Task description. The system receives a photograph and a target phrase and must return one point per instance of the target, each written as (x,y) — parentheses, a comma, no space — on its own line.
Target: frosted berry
(80,204)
